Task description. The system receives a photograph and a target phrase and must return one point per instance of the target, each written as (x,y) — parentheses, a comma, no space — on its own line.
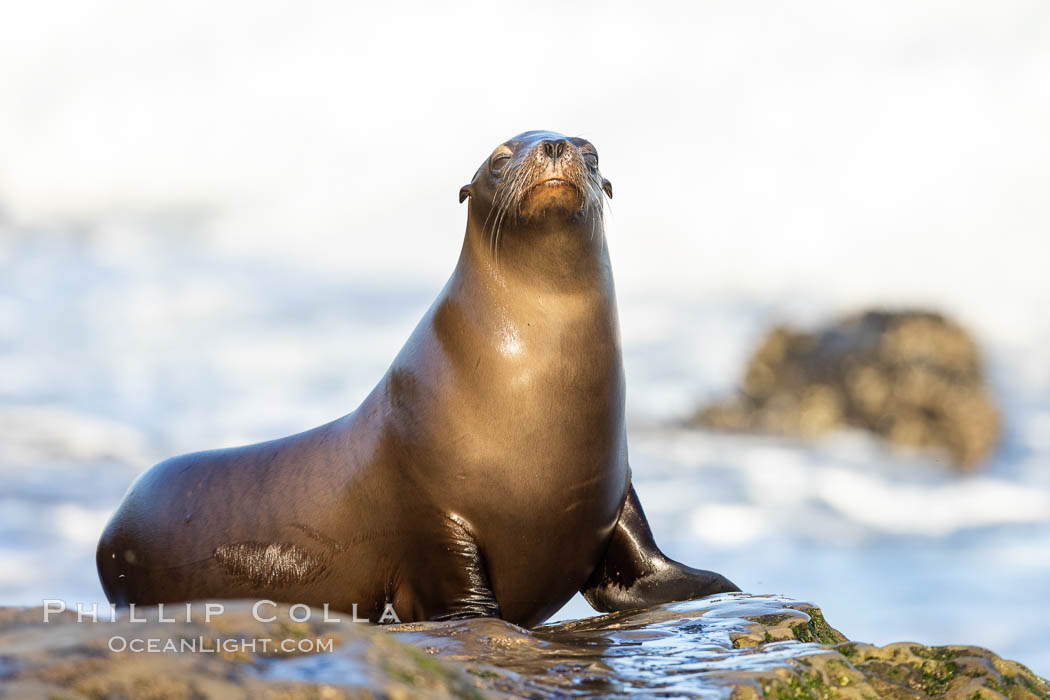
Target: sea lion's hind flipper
(634,573)
(464,582)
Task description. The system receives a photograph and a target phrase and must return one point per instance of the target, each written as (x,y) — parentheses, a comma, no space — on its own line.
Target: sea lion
(485,475)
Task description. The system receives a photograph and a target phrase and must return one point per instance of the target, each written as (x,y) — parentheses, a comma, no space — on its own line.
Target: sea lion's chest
(539,464)
(537,395)
(517,412)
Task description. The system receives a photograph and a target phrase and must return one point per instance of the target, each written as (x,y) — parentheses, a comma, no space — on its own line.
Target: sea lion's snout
(557,161)
(555,179)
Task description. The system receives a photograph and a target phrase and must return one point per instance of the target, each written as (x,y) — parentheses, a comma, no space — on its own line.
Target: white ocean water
(218,225)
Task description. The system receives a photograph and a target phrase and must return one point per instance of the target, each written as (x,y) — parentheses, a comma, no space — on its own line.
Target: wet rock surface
(734,645)
(913,377)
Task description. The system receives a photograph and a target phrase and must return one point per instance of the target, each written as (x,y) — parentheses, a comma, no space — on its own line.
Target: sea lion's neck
(558,261)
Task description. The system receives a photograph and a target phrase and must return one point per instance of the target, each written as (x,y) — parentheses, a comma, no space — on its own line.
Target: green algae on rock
(905,670)
(735,646)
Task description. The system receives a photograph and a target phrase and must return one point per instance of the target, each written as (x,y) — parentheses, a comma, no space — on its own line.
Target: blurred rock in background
(913,377)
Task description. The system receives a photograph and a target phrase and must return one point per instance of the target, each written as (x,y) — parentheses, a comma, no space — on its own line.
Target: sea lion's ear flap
(468,189)
(607,188)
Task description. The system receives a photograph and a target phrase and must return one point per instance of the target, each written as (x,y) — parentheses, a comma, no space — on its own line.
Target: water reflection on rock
(735,645)
(697,648)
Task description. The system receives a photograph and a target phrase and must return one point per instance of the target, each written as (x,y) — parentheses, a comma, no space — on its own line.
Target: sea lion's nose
(554,149)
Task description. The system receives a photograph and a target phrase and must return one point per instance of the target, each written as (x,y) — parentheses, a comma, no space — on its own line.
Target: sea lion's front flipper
(634,573)
(462,589)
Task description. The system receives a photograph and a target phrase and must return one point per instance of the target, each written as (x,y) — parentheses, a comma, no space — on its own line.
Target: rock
(66,659)
(734,646)
(913,377)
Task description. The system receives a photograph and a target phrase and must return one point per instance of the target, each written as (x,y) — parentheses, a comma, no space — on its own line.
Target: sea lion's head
(538,180)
